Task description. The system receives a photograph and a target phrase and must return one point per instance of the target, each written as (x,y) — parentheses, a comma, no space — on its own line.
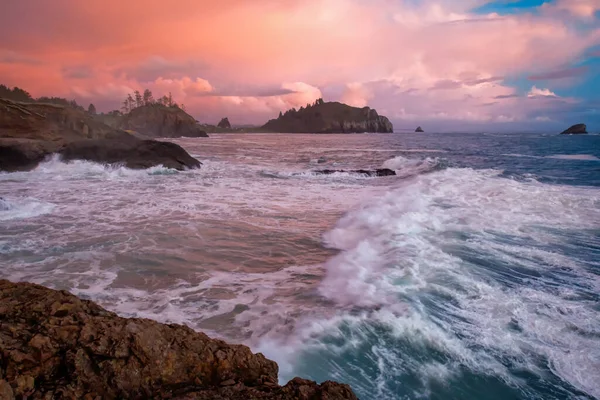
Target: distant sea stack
(575,130)
(157,120)
(419,129)
(224,123)
(331,117)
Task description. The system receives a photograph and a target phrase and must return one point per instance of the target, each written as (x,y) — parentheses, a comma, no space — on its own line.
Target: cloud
(356,94)
(14,57)
(77,72)
(535,92)
(560,74)
(251,59)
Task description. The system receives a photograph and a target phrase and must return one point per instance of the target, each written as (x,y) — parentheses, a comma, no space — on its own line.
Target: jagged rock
(157,120)
(369,172)
(30,132)
(419,129)
(54,345)
(575,129)
(332,117)
(224,124)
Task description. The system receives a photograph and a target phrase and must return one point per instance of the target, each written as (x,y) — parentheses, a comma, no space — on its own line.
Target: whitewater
(472,274)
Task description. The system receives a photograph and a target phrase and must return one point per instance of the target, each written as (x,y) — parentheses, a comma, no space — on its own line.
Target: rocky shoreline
(31,132)
(54,345)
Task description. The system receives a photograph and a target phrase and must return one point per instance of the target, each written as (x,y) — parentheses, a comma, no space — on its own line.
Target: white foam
(20,208)
(581,157)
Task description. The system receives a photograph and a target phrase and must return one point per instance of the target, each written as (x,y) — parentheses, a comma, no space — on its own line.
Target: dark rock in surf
(134,153)
(54,345)
(577,129)
(224,123)
(419,130)
(368,172)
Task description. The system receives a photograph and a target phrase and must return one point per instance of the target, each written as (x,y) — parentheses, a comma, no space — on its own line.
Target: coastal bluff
(330,117)
(55,345)
(30,132)
(160,121)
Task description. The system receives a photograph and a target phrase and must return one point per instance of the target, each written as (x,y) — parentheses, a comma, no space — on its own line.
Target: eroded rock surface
(54,345)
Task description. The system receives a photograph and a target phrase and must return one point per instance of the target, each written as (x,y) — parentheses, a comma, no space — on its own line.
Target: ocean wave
(465,265)
(21,208)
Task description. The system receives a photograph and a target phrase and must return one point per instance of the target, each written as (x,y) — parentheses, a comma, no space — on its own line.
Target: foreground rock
(368,172)
(54,345)
(575,129)
(419,130)
(30,132)
(159,121)
(330,117)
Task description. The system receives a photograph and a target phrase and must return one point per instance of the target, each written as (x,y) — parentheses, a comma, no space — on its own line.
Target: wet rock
(419,130)
(54,345)
(369,172)
(133,153)
(575,129)
(321,160)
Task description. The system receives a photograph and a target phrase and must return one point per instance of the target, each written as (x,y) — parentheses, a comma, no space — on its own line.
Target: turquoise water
(473,274)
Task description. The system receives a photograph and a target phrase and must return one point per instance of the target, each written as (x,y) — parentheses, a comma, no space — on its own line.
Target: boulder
(419,129)
(54,345)
(332,117)
(159,121)
(368,172)
(224,124)
(575,129)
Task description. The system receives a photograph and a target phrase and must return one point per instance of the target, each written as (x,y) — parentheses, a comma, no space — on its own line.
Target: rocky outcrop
(224,123)
(575,129)
(419,130)
(159,121)
(368,172)
(30,132)
(136,154)
(330,117)
(56,346)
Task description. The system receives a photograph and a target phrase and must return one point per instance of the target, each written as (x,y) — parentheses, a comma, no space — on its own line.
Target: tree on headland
(138,98)
(91,109)
(148,98)
(15,94)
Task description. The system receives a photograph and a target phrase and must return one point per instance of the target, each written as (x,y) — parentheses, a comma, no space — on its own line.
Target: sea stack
(577,129)
(224,123)
(331,117)
(419,129)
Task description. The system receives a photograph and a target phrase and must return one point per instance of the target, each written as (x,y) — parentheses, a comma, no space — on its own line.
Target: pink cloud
(238,57)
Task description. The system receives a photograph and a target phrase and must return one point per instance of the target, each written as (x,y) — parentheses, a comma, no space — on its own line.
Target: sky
(446,65)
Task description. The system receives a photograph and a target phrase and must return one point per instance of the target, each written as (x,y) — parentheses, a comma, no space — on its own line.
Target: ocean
(472,274)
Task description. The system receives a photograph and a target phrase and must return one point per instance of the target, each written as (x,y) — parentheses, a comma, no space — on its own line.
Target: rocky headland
(419,130)
(30,132)
(54,345)
(577,129)
(331,117)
